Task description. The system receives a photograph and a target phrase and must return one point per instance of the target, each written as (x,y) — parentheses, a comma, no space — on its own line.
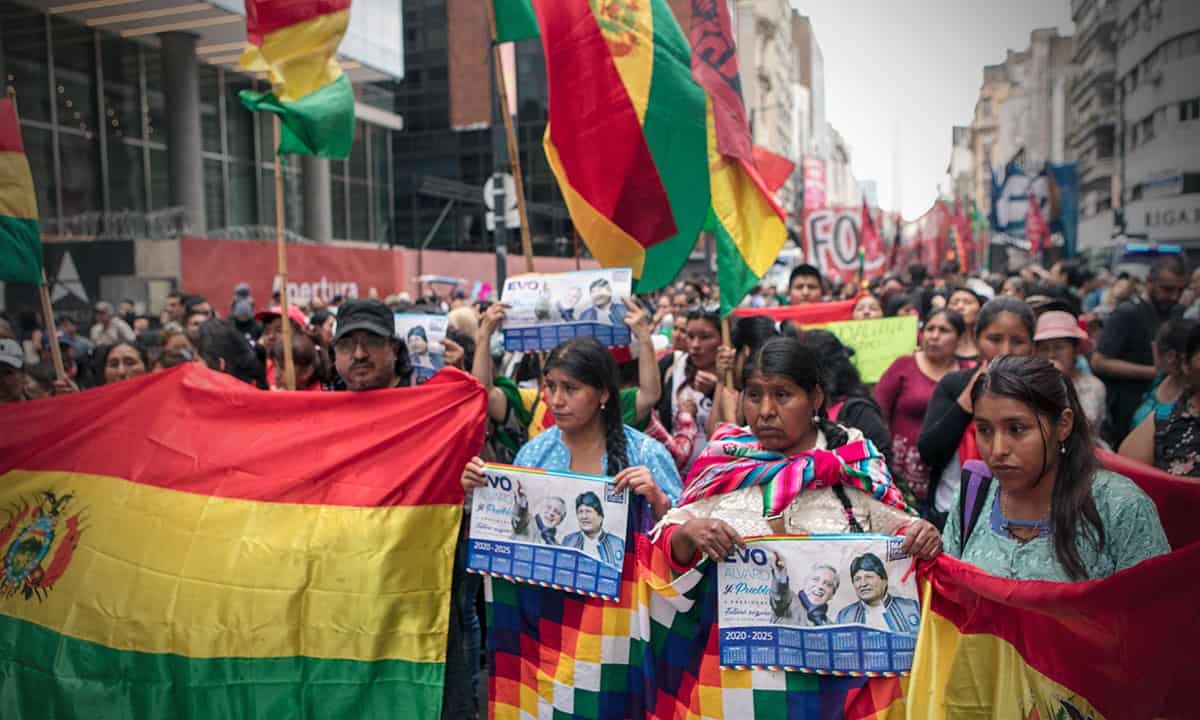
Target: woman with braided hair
(790,471)
(580,387)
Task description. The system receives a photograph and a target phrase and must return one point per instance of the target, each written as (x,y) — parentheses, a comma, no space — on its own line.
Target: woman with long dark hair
(1006,326)
(1049,513)
(692,375)
(789,471)
(581,389)
(120,361)
(904,390)
(847,401)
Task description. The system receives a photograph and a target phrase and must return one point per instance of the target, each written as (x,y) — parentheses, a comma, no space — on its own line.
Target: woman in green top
(1049,512)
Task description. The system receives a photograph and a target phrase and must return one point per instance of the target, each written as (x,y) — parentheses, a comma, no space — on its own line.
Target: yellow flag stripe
(756,229)
(162,571)
(630,38)
(17,198)
(608,243)
(300,58)
(977,676)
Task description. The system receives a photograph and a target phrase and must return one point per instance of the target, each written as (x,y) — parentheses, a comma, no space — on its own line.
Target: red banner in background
(832,237)
(212,268)
(810,314)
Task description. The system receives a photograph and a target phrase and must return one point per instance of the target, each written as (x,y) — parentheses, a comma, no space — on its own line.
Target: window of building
(987,107)
(1189,110)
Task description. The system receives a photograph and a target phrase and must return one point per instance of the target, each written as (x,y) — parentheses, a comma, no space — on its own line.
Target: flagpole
(514,156)
(289,369)
(60,370)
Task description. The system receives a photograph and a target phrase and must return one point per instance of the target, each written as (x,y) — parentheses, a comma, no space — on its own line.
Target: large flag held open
(20,238)
(644,141)
(295,43)
(183,545)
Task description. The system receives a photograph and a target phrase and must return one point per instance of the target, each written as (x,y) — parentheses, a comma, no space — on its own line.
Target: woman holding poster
(580,388)
(789,471)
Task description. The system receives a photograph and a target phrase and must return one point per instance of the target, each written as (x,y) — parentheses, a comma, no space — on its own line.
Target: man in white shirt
(109,329)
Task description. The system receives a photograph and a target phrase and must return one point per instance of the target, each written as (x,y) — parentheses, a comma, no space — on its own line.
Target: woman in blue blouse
(581,389)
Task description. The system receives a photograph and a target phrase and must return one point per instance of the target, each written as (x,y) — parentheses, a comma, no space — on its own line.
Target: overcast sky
(918,64)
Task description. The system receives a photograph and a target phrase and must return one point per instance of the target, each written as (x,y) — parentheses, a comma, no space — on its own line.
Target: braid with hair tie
(614,436)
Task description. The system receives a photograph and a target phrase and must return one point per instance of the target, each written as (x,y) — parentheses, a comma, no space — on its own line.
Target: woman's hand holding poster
(556,529)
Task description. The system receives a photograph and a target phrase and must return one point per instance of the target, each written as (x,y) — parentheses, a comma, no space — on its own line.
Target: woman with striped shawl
(790,471)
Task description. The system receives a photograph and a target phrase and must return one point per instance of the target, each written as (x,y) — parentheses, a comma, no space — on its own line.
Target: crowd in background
(1027,372)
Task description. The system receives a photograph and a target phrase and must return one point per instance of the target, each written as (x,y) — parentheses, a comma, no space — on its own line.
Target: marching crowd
(772,431)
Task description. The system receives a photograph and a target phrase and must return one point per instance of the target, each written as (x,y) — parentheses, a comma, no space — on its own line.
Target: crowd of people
(773,431)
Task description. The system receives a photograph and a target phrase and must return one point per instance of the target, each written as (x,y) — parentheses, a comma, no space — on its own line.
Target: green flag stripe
(515,20)
(734,276)
(20,251)
(320,123)
(676,130)
(44,674)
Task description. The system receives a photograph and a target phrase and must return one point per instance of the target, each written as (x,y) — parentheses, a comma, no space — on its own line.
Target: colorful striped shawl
(735,460)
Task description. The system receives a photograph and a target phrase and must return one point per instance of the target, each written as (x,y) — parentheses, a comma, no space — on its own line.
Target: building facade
(985,132)
(1034,119)
(1157,66)
(1092,140)
(133,126)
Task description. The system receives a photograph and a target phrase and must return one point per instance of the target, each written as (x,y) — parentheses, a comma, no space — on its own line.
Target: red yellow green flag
(644,158)
(295,43)
(183,545)
(20,239)
(1115,648)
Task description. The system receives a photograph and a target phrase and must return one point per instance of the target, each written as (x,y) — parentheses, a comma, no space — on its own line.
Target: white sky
(917,64)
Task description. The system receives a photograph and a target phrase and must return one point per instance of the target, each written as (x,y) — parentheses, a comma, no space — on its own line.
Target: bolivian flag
(294,42)
(20,239)
(641,149)
(183,545)
(1121,648)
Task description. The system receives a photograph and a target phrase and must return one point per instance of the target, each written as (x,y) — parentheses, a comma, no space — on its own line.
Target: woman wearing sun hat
(1060,340)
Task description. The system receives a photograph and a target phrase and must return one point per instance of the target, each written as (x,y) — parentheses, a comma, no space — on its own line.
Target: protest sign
(546,310)
(556,529)
(827,604)
(423,334)
(877,343)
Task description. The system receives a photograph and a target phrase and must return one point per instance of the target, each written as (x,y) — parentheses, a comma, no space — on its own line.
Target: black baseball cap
(365,314)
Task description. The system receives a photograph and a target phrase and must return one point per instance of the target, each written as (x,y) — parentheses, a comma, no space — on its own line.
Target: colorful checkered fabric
(654,654)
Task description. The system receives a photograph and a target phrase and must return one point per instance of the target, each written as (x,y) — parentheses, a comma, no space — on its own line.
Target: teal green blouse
(1132,531)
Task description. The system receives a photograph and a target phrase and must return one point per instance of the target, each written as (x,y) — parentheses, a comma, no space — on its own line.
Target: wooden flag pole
(285,322)
(727,342)
(514,156)
(60,370)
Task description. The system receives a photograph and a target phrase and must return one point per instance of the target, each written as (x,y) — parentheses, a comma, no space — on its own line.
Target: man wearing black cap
(368,355)
(876,607)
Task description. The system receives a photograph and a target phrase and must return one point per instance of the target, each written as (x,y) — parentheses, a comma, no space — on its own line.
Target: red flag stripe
(595,127)
(10,128)
(1124,643)
(265,16)
(271,446)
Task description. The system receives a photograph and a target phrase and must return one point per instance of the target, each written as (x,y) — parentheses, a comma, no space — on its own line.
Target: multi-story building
(132,108)
(767,61)
(1092,139)
(1157,63)
(1033,120)
(961,170)
(985,131)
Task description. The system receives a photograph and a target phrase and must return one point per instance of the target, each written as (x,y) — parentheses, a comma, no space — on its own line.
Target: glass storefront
(93,121)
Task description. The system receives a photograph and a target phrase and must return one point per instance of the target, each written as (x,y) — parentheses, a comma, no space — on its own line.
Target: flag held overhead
(20,238)
(295,42)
